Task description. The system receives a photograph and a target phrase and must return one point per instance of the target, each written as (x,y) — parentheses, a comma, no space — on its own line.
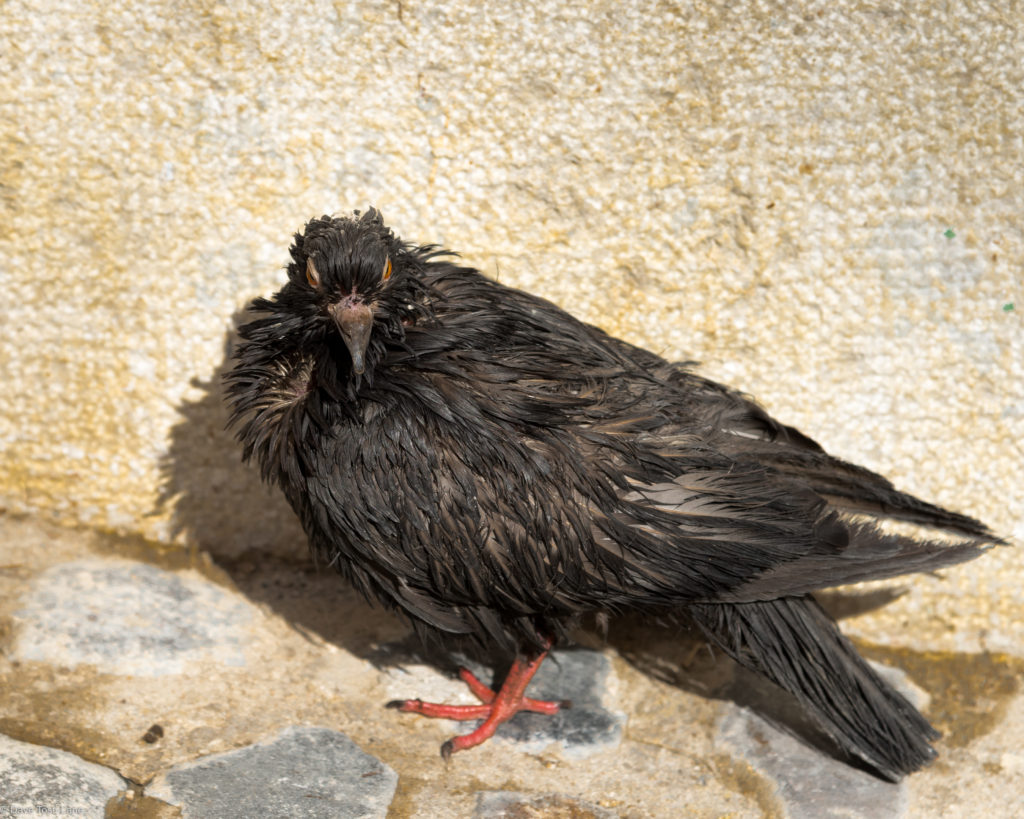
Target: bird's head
(353,290)
(353,279)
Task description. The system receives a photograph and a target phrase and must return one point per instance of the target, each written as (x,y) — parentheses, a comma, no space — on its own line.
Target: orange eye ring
(312,274)
(386,272)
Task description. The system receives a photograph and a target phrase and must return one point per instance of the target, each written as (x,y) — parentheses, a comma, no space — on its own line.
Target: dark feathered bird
(483,462)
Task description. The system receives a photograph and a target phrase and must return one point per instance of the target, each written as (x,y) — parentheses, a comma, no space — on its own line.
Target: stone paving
(821,202)
(139,681)
(304,771)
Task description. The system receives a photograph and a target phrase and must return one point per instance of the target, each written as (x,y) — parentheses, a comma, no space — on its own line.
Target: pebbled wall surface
(824,205)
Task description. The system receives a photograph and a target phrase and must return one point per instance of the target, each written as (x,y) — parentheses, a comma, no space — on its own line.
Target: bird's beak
(354,320)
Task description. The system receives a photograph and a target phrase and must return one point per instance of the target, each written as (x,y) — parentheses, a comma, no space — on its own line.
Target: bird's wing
(753,508)
(751,533)
(742,429)
(719,514)
(691,491)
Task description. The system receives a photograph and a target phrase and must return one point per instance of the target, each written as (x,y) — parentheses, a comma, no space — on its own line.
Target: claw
(447,749)
(496,708)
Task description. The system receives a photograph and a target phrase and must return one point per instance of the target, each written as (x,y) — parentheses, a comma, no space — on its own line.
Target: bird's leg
(497,707)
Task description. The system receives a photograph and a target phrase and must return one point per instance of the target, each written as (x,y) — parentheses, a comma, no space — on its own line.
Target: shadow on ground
(220,504)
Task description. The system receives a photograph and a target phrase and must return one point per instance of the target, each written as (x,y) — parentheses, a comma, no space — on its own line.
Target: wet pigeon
(478,459)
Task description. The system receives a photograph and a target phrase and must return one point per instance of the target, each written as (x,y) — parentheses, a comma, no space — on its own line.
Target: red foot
(497,708)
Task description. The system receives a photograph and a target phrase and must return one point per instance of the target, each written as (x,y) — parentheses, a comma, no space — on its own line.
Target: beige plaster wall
(765,187)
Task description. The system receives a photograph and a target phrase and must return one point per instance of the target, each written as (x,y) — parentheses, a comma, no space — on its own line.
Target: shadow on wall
(220,504)
(223,507)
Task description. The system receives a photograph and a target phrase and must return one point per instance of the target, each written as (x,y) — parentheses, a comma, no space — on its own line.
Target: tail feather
(797,646)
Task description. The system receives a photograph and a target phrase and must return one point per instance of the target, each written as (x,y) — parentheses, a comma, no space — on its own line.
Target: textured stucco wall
(764,187)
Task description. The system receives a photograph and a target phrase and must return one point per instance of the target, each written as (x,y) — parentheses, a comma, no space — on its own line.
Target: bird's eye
(312,275)
(386,272)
